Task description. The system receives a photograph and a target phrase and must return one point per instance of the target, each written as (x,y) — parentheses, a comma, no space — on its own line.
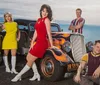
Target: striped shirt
(77,22)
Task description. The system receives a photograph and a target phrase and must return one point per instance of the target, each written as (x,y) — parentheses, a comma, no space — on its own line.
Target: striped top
(77,22)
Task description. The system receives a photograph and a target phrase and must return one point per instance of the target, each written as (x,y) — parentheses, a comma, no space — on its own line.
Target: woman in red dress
(42,30)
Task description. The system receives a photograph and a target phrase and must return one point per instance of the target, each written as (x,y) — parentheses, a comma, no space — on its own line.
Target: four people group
(36,51)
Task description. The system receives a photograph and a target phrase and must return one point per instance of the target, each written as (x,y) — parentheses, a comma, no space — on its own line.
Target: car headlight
(66,46)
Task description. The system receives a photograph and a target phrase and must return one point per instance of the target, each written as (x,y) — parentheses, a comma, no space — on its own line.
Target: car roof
(24,21)
(27,21)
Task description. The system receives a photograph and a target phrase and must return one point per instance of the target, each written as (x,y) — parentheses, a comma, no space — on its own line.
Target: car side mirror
(89,46)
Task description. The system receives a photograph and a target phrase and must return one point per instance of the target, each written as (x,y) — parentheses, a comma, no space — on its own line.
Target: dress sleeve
(85,58)
(16,23)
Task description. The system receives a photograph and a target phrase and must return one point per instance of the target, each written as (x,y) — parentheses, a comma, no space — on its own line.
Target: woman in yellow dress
(10,41)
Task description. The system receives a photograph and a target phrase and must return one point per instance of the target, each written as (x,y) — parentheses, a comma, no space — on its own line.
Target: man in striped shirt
(77,24)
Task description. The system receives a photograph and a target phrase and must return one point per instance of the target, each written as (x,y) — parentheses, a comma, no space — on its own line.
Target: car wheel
(51,69)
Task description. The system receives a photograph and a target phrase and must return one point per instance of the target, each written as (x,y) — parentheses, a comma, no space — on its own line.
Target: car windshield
(54,28)
(23,27)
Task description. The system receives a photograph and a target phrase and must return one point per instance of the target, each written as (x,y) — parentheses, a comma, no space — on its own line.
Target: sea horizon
(90,32)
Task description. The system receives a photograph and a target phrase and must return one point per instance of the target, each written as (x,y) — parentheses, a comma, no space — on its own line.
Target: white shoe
(16,78)
(14,71)
(35,77)
(8,70)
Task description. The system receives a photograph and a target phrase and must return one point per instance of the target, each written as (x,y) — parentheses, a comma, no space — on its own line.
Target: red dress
(41,45)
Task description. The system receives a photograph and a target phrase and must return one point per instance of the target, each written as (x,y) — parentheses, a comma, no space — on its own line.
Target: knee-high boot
(13,63)
(36,74)
(5,59)
(18,76)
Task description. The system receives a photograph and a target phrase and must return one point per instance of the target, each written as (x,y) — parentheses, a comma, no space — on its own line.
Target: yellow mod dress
(10,40)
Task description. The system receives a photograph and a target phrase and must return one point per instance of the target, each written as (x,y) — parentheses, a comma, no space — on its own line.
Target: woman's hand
(18,39)
(2,26)
(32,44)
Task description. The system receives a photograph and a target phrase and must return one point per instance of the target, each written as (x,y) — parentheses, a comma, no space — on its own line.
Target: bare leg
(30,61)
(13,61)
(5,59)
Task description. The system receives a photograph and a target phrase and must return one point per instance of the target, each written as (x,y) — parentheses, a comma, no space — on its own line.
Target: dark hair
(48,8)
(79,10)
(97,41)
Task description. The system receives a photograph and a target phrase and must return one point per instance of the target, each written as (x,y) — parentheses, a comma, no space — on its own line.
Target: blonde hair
(10,15)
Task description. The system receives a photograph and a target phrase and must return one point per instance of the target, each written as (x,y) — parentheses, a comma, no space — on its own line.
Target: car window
(31,26)
(54,28)
(22,27)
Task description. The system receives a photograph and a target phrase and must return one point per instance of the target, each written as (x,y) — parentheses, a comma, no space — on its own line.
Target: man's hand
(72,28)
(96,73)
(77,79)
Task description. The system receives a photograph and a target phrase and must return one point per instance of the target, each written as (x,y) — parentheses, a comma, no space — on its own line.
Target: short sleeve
(82,21)
(85,58)
(72,22)
(16,23)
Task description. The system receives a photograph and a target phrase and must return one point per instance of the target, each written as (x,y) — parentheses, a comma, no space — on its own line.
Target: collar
(96,55)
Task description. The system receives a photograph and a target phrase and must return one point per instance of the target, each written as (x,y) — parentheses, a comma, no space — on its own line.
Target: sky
(63,10)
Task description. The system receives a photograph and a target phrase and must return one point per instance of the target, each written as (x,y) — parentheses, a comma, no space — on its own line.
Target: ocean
(90,32)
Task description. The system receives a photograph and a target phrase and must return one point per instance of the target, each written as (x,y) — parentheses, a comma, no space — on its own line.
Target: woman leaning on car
(42,30)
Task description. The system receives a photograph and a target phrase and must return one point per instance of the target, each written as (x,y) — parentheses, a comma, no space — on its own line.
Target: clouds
(62,9)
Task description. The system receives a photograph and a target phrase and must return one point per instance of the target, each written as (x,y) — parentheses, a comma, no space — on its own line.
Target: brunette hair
(48,8)
(97,41)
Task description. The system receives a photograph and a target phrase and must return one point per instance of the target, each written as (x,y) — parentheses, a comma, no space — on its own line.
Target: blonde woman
(10,41)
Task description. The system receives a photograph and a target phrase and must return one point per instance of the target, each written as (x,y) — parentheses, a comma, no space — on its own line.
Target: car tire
(51,69)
